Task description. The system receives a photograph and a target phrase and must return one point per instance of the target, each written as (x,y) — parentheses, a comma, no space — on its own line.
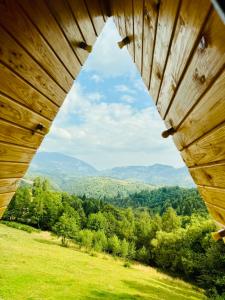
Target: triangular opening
(110,124)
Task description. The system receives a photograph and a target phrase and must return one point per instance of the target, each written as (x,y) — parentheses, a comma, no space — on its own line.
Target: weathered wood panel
(129,23)
(18,114)
(16,58)
(150,23)
(65,18)
(206,115)
(45,22)
(166,22)
(208,149)
(138,32)
(207,61)
(19,136)
(19,90)
(5,199)
(12,170)
(212,175)
(191,18)
(15,21)
(15,153)
(9,185)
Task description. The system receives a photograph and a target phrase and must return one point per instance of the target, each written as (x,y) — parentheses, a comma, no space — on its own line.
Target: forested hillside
(179,244)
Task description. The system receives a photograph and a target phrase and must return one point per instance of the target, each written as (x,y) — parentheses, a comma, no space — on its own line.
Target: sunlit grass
(33,266)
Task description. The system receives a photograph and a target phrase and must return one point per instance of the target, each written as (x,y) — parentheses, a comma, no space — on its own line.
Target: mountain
(157,174)
(65,171)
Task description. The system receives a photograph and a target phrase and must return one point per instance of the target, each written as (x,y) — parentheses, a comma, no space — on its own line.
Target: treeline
(184,201)
(179,244)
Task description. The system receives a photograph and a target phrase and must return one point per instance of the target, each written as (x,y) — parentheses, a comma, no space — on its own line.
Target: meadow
(35,267)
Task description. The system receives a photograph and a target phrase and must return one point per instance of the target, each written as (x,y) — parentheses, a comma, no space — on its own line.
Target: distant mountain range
(66,171)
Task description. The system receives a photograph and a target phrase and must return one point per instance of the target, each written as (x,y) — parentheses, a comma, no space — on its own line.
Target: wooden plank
(118,13)
(16,58)
(17,114)
(138,32)
(95,12)
(128,15)
(5,199)
(217,213)
(18,135)
(64,16)
(21,91)
(213,196)
(150,23)
(15,153)
(2,210)
(12,170)
(191,18)
(207,114)
(81,14)
(202,71)
(166,20)
(15,21)
(206,150)
(45,22)
(212,175)
(9,185)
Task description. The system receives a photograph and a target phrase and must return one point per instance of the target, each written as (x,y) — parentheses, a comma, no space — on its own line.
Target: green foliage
(171,229)
(20,226)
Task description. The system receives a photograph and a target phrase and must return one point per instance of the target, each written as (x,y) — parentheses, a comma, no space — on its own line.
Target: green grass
(33,266)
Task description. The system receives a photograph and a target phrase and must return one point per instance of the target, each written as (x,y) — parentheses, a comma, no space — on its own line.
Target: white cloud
(106,58)
(110,134)
(128,98)
(124,89)
(96,78)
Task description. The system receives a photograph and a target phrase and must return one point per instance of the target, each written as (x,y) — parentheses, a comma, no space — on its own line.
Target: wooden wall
(179,49)
(39,59)
(177,45)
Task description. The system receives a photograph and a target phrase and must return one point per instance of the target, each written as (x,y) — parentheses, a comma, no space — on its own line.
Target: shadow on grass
(160,290)
(47,242)
(116,296)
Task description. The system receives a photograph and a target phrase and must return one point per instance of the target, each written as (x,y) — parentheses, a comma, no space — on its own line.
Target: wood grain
(65,18)
(81,14)
(129,24)
(15,153)
(9,185)
(208,149)
(191,18)
(2,210)
(202,71)
(150,23)
(213,196)
(166,20)
(17,114)
(95,12)
(45,22)
(15,21)
(14,134)
(17,59)
(217,213)
(5,199)
(138,32)
(21,91)
(206,115)
(212,175)
(12,170)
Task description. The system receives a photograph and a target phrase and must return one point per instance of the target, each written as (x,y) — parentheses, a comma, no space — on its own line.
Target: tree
(99,241)
(114,245)
(66,228)
(86,238)
(96,222)
(124,248)
(170,220)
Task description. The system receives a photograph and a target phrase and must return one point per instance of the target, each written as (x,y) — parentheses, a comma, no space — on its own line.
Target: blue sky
(109,119)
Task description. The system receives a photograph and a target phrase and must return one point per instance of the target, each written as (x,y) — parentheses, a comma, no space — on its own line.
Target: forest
(167,228)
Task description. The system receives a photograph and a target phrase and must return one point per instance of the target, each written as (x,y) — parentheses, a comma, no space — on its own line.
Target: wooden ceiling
(177,45)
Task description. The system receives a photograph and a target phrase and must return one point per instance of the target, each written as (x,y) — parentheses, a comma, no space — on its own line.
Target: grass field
(34,267)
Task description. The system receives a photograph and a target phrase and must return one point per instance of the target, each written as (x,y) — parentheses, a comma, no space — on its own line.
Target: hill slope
(34,266)
(60,168)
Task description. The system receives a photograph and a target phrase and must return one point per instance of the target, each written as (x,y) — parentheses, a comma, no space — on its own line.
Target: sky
(108,118)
